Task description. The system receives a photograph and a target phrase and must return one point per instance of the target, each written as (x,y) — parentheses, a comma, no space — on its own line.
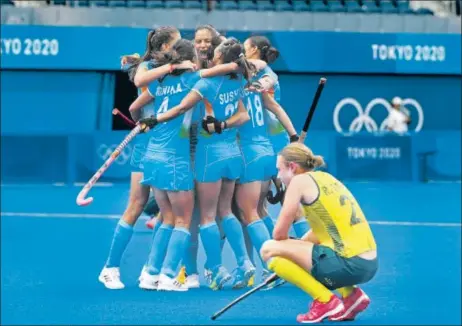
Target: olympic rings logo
(104,152)
(364,119)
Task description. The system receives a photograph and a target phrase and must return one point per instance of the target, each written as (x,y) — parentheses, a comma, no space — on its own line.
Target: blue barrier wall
(62,79)
(99,48)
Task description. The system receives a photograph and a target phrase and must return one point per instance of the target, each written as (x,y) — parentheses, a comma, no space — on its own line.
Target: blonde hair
(302,155)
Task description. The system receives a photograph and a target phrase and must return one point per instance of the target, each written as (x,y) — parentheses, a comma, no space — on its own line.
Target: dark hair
(182,50)
(233,51)
(268,53)
(217,38)
(154,41)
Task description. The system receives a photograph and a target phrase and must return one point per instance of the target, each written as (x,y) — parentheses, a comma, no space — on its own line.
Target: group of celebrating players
(214,138)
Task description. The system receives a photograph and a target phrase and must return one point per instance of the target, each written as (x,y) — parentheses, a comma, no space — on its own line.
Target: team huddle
(215,138)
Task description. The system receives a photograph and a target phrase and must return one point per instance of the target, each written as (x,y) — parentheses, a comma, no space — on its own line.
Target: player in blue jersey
(218,161)
(159,40)
(167,169)
(259,47)
(259,163)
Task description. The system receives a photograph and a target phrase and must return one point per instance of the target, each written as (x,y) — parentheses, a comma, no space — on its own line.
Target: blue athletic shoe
(219,277)
(243,274)
(264,275)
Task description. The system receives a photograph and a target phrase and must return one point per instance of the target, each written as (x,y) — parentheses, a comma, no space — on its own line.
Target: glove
(278,198)
(149,123)
(212,125)
(151,208)
(294,138)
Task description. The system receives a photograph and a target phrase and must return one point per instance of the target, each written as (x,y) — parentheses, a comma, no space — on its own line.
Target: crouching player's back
(338,253)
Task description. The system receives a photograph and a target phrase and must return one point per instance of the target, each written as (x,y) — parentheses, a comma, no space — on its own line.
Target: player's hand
(213,125)
(148,123)
(279,197)
(294,138)
(256,87)
(126,59)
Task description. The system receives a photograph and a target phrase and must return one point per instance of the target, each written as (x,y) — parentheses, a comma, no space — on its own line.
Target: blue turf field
(52,252)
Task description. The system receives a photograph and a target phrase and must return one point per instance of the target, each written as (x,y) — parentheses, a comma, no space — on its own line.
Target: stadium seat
(174,4)
(282,5)
(194,4)
(99,3)
(403,7)
(136,3)
(154,4)
(318,5)
(300,5)
(424,11)
(227,5)
(388,7)
(353,6)
(83,3)
(335,6)
(247,5)
(370,6)
(265,5)
(58,2)
(117,3)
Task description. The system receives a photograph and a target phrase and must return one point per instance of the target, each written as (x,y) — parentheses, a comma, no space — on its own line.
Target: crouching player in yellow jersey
(338,253)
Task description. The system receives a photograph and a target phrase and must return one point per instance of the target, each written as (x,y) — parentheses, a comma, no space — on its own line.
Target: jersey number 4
(354,219)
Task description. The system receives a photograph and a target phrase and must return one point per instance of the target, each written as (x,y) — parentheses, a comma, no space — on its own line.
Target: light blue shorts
(165,170)
(259,163)
(139,150)
(221,160)
(279,141)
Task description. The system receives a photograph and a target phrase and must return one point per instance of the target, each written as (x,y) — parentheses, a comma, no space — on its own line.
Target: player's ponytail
(302,155)
(268,53)
(182,50)
(154,41)
(233,51)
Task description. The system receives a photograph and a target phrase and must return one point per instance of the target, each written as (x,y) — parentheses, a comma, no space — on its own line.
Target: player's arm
(271,105)
(239,118)
(142,100)
(186,104)
(144,77)
(289,209)
(219,70)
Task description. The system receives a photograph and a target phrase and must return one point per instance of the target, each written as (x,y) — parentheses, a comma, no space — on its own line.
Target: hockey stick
(81,200)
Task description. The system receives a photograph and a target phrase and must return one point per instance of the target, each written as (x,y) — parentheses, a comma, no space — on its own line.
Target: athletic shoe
(353,304)
(110,277)
(319,311)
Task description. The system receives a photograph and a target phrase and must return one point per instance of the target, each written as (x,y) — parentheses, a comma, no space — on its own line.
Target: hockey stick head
(84,201)
(81,200)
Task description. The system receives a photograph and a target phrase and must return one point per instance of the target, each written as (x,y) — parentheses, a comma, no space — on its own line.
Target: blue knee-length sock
(159,248)
(233,230)
(210,236)
(269,224)
(176,250)
(301,227)
(122,235)
(190,256)
(154,231)
(258,234)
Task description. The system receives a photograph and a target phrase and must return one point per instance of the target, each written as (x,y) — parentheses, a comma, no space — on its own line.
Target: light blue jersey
(167,160)
(140,141)
(217,155)
(257,150)
(276,131)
